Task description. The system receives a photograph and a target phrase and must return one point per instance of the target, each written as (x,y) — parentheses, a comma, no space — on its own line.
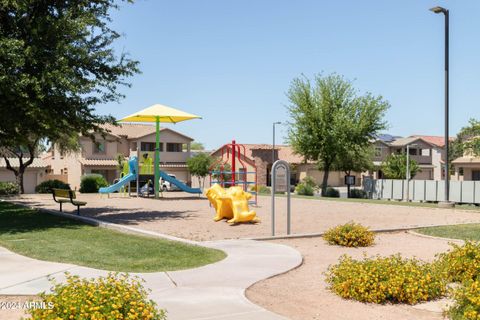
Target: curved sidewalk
(214,291)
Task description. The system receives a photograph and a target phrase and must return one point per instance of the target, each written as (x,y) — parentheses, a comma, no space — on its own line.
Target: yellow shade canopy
(160,113)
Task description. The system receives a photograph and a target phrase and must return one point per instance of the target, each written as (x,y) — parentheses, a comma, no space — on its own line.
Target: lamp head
(278,122)
(439,10)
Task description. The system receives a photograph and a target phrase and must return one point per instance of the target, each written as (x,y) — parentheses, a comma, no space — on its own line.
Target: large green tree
(328,117)
(56,64)
(395,166)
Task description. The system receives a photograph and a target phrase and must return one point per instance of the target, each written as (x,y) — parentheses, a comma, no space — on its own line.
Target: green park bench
(62,196)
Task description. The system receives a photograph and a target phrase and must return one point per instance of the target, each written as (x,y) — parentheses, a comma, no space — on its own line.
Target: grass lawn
(463,232)
(47,237)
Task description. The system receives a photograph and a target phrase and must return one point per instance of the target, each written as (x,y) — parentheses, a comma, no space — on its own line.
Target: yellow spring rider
(231,204)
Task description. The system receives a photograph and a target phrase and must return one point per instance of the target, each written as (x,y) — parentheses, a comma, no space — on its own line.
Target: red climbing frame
(236,152)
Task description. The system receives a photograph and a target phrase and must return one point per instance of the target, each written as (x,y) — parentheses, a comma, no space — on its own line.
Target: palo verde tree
(467,140)
(199,166)
(328,117)
(56,64)
(395,166)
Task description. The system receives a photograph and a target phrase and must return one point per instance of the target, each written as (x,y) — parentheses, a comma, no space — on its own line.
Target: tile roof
(130,130)
(136,130)
(439,141)
(285,152)
(98,162)
(37,163)
(464,160)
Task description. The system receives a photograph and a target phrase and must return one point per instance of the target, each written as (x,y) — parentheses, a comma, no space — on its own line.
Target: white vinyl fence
(423,190)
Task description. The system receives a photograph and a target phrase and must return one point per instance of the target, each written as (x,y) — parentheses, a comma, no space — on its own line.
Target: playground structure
(141,181)
(232,153)
(126,178)
(231,204)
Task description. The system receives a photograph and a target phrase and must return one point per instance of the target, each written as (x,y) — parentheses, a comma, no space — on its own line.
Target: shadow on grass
(113,214)
(17,219)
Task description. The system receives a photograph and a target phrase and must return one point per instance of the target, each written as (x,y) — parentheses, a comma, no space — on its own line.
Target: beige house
(101,156)
(467,167)
(34,174)
(260,155)
(427,151)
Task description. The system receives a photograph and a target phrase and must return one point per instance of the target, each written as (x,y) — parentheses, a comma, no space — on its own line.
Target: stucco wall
(31,178)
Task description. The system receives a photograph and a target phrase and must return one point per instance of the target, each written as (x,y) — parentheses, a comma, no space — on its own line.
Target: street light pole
(407,173)
(446,13)
(273,144)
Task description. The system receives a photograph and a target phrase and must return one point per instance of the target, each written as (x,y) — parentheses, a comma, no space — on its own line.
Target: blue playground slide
(115,187)
(132,175)
(182,186)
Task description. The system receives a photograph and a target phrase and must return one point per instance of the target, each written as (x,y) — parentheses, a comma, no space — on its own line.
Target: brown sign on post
(281,179)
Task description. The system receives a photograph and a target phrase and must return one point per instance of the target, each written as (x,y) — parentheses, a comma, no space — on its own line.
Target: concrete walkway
(214,291)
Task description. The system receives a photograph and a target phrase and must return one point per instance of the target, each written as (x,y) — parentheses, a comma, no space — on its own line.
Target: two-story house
(125,140)
(467,167)
(427,151)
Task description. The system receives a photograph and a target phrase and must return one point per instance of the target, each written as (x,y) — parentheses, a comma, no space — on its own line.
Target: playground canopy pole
(157,156)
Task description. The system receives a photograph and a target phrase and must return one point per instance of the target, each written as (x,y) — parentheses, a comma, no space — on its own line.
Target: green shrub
(358,193)
(309,181)
(8,188)
(350,235)
(461,263)
(386,279)
(304,189)
(332,193)
(48,185)
(261,189)
(116,296)
(92,182)
(467,301)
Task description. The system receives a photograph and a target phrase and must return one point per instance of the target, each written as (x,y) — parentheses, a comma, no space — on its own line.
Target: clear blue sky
(232,61)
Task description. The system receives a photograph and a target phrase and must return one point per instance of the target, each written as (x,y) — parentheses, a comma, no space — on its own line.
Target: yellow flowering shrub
(386,279)
(116,296)
(350,235)
(467,301)
(461,263)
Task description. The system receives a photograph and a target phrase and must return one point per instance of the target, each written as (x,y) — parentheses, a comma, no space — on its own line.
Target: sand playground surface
(190,217)
(300,293)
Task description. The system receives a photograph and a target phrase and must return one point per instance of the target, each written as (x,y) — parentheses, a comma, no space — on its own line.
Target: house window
(99,147)
(149,146)
(378,151)
(413,152)
(460,171)
(174,147)
(426,152)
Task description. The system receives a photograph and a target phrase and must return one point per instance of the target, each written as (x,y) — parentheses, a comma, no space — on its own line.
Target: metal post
(157,156)
(233,164)
(275,166)
(447,173)
(446,13)
(408,172)
(273,180)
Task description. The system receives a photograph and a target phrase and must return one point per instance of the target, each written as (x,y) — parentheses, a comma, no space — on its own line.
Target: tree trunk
(326,173)
(19,179)
(22,165)
(348,185)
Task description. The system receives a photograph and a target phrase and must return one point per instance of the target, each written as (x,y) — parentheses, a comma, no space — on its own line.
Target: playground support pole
(233,163)
(157,156)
